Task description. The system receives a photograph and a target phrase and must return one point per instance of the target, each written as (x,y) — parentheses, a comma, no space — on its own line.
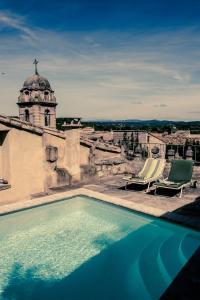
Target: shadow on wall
(122,270)
(63,176)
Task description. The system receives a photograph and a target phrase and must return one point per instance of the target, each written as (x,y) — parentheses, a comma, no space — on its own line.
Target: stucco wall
(51,176)
(23,155)
(72,157)
(4,155)
(84,155)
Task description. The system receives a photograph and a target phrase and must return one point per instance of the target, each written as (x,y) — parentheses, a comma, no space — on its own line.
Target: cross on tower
(35,63)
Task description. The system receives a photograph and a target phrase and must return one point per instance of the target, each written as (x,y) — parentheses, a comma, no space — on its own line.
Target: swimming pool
(81,248)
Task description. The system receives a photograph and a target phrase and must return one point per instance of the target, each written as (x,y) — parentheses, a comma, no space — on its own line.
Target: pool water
(81,248)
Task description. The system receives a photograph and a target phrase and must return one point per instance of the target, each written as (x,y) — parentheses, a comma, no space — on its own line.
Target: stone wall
(101,154)
(137,136)
(113,166)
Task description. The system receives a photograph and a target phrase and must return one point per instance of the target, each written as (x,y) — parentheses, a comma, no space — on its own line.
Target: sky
(114,59)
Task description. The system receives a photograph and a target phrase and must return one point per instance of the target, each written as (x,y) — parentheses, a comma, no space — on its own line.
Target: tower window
(27,115)
(46,95)
(47,117)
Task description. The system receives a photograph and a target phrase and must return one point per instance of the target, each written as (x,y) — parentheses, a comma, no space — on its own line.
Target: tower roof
(36,82)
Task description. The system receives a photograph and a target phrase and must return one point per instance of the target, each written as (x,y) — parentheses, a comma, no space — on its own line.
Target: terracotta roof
(157,136)
(177,138)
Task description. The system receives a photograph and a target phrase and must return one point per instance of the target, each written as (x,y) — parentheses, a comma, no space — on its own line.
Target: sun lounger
(180,176)
(152,171)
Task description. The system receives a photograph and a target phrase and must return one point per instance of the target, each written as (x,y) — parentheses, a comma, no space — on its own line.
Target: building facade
(37,102)
(35,157)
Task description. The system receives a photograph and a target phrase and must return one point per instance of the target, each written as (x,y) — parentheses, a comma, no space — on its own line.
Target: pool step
(136,285)
(189,245)
(172,256)
(153,274)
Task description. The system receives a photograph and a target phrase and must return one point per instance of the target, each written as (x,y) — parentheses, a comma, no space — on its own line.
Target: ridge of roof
(27,126)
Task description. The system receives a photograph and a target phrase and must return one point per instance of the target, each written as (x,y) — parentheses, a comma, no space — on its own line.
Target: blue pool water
(81,248)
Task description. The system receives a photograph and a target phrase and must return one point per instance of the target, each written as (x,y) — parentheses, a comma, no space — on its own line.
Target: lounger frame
(147,181)
(189,183)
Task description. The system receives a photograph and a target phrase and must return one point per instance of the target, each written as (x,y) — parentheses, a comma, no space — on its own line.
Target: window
(27,116)
(46,95)
(47,118)
(26,92)
(51,154)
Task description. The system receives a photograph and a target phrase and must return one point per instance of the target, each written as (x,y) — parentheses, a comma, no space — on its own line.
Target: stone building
(137,136)
(36,157)
(142,140)
(37,102)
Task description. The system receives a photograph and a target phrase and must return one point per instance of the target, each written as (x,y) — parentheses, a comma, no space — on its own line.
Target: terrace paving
(185,210)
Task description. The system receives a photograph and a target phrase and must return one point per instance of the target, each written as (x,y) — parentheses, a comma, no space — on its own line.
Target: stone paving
(185,210)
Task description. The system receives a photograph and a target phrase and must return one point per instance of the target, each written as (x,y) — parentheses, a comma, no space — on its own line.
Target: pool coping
(17,206)
(141,208)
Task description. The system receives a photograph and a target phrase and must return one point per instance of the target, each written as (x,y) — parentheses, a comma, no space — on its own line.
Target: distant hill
(149,125)
(135,124)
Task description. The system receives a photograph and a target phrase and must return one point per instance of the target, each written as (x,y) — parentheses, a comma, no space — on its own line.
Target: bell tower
(37,102)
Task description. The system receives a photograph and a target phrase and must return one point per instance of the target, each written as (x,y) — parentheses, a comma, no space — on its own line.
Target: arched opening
(27,115)
(47,117)
(26,93)
(46,95)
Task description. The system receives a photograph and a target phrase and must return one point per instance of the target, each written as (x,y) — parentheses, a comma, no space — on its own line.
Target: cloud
(136,102)
(13,21)
(194,112)
(160,105)
(105,80)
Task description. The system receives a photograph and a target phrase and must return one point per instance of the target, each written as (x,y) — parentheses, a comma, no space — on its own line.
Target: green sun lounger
(151,171)
(180,176)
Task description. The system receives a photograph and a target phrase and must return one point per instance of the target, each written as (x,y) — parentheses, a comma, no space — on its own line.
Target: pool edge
(137,207)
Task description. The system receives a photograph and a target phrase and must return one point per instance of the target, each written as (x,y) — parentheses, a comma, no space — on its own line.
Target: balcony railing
(171,151)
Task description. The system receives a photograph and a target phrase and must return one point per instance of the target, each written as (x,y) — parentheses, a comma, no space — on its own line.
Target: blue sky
(105,59)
